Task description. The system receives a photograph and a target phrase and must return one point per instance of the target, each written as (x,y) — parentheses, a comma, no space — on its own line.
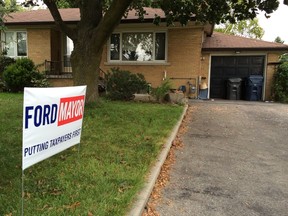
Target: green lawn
(120,141)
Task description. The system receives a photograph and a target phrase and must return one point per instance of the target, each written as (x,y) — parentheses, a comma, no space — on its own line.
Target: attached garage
(225,67)
(228,56)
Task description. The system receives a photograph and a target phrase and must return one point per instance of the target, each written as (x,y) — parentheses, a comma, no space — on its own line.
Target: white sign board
(52,121)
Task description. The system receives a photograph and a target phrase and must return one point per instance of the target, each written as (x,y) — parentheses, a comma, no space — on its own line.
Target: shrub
(280,85)
(4,62)
(284,58)
(161,91)
(23,73)
(123,84)
(2,85)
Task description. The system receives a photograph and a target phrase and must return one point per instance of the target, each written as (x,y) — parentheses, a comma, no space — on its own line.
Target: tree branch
(110,20)
(58,19)
(91,13)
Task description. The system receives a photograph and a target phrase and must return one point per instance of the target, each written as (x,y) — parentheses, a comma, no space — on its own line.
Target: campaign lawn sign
(52,121)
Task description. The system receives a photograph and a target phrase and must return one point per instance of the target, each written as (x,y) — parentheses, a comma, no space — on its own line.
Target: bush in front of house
(122,84)
(280,85)
(23,73)
(4,63)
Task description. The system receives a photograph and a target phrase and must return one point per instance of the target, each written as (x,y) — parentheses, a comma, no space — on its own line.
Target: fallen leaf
(72,206)
(55,191)
(26,194)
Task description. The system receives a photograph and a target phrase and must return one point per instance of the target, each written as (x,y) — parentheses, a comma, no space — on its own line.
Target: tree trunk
(85,61)
(89,38)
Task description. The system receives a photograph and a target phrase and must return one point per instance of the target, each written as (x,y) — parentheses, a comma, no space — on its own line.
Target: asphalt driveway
(234,162)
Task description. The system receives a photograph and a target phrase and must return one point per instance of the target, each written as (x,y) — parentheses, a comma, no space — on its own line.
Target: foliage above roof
(212,11)
(216,11)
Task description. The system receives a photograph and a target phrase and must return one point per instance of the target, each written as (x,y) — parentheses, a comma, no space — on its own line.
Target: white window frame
(67,52)
(3,41)
(153,61)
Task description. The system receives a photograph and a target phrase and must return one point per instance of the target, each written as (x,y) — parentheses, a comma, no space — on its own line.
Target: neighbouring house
(189,56)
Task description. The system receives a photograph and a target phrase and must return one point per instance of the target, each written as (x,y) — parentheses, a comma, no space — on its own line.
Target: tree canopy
(66,4)
(279,40)
(99,18)
(244,28)
(6,7)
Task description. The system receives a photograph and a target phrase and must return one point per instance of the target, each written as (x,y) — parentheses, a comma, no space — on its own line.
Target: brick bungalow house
(193,54)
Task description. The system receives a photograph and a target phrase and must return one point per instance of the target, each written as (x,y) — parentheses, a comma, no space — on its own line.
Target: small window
(15,44)
(115,47)
(21,44)
(160,44)
(138,46)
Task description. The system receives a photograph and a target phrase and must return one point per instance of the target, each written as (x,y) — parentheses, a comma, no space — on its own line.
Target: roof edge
(246,49)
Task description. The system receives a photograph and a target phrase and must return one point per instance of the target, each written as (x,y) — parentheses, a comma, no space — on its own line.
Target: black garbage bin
(234,88)
(253,88)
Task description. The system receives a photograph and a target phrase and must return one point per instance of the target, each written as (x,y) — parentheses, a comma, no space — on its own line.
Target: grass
(120,141)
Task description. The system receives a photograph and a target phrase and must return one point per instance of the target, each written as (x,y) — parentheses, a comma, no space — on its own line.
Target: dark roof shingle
(68,15)
(221,42)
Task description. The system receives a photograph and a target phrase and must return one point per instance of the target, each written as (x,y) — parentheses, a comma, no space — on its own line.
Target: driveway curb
(144,194)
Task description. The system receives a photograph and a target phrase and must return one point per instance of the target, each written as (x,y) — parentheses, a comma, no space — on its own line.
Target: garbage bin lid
(254,79)
(235,80)
(257,77)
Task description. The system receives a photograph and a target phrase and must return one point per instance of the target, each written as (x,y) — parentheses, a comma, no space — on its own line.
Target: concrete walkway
(234,162)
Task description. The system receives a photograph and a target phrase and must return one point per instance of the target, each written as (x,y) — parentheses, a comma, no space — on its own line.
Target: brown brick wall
(205,65)
(185,54)
(270,71)
(39,47)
